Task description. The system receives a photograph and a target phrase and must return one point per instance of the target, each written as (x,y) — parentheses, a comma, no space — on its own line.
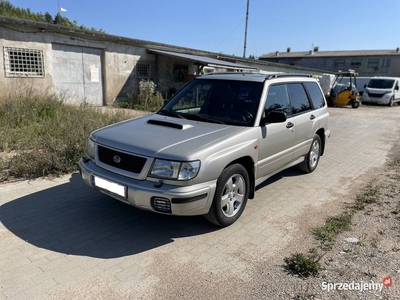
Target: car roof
(384,77)
(257,77)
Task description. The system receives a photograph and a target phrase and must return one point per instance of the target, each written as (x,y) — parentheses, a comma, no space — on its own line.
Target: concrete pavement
(61,240)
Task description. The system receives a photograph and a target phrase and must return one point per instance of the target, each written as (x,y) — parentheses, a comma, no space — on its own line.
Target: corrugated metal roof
(43,28)
(350,53)
(206,61)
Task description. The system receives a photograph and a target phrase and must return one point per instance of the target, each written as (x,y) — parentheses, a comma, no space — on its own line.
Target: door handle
(289,125)
(312,117)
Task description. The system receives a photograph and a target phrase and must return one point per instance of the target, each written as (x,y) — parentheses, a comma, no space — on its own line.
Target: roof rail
(227,73)
(288,75)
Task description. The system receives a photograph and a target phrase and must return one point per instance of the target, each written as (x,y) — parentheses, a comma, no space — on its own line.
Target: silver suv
(208,148)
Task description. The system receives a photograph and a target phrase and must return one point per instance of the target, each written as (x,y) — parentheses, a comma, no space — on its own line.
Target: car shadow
(379,105)
(73,219)
(293,171)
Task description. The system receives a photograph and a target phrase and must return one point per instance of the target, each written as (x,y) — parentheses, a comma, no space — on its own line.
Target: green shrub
(394,164)
(369,194)
(153,103)
(332,227)
(148,99)
(302,265)
(48,135)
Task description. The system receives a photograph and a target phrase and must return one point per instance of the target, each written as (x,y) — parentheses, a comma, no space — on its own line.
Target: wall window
(22,62)
(373,62)
(386,62)
(356,63)
(339,63)
(143,70)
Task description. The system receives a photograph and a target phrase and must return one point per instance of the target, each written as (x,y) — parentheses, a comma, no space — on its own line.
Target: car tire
(391,102)
(230,196)
(311,160)
(355,104)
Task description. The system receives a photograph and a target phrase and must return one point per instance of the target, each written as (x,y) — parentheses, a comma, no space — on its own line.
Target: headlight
(90,148)
(175,170)
(189,170)
(165,168)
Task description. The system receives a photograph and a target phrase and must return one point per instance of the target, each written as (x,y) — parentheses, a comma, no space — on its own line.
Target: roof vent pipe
(288,49)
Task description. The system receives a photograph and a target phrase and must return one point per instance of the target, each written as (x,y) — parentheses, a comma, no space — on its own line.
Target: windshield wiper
(168,113)
(204,118)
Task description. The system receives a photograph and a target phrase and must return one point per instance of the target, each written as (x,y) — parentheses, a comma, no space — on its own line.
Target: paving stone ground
(61,240)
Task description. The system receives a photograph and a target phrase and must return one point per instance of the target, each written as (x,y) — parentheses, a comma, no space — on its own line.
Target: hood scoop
(169,124)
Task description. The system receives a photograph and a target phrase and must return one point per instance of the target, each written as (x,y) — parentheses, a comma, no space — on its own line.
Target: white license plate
(109,186)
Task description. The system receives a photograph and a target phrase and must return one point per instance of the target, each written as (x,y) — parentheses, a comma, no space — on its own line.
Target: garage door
(77,74)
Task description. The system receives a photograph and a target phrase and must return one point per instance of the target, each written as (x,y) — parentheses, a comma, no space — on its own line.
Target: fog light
(161,204)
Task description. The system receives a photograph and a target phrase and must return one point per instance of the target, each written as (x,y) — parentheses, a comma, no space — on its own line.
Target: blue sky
(219,25)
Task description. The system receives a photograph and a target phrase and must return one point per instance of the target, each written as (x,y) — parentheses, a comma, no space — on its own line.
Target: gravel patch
(363,263)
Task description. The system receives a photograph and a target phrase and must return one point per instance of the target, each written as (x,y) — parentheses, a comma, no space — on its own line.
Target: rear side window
(314,91)
(278,99)
(298,98)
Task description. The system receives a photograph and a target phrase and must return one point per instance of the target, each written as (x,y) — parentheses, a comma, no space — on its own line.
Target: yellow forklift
(344,90)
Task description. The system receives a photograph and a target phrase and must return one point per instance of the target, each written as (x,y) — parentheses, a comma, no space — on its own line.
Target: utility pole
(60,10)
(245,31)
(59,13)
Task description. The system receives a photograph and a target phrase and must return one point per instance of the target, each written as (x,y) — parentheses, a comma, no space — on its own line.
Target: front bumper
(184,200)
(382,100)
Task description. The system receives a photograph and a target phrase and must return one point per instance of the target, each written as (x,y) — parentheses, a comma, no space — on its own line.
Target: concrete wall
(119,61)
(328,64)
(288,69)
(284,67)
(19,38)
(167,79)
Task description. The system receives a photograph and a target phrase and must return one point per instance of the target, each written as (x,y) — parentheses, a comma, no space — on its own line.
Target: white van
(382,90)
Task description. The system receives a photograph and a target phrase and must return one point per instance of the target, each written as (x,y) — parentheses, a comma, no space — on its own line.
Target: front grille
(127,162)
(375,95)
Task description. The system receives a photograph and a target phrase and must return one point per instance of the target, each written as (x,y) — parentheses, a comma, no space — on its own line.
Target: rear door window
(298,98)
(317,98)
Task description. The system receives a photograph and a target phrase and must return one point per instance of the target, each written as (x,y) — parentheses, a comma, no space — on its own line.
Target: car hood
(162,137)
(377,91)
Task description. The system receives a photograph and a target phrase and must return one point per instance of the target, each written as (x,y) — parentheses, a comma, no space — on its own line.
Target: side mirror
(365,86)
(274,117)
(396,88)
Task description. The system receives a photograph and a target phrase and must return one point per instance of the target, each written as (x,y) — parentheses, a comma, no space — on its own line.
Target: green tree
(9,10)
(48,17)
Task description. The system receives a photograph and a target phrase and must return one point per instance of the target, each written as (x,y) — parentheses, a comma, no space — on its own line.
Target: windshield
(230,102)
(381,83)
